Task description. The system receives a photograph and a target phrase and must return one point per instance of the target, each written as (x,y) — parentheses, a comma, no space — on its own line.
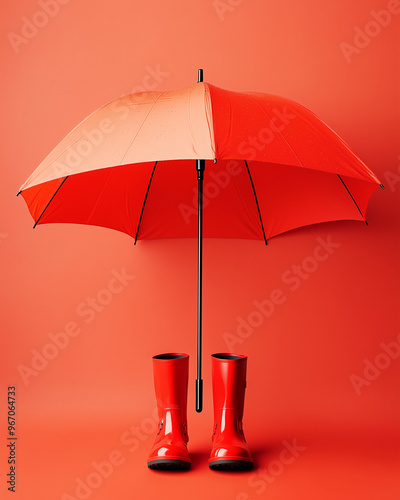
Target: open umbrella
(271,166)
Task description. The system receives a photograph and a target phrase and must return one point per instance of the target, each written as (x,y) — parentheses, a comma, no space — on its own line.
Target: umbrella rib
(144,202)
(278,131)
(51,199)
(351,196)
(255,196)
(141,126)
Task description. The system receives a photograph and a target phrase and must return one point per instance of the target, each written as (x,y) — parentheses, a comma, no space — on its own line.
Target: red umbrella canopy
(271,166)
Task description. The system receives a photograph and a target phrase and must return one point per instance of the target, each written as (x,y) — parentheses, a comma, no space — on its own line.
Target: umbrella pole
(200,166)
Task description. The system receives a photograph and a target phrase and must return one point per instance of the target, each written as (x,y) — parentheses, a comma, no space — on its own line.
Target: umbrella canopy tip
(200,76)
(382,186)
(19,192)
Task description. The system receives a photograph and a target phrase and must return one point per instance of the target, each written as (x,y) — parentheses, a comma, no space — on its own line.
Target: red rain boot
(229,449)
(169,451)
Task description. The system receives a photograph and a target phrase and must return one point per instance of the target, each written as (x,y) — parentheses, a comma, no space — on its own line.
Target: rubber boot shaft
(230,450)
(169,451)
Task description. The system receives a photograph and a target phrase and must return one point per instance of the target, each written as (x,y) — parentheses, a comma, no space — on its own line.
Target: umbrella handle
(199,395)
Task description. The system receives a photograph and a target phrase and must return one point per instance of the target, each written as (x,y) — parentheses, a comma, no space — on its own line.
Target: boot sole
(230,465)
(168,464)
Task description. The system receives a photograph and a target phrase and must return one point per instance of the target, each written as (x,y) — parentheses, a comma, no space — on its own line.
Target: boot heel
(167,464)
(230,465)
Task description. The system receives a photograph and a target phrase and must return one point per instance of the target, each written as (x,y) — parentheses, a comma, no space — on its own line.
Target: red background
(79,408)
